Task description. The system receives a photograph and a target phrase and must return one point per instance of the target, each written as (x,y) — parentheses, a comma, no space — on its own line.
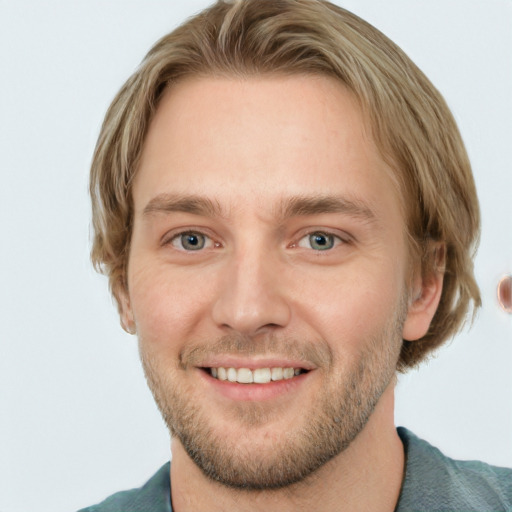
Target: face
(266,276)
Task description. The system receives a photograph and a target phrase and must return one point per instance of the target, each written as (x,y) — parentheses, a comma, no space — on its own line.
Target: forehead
(260,140)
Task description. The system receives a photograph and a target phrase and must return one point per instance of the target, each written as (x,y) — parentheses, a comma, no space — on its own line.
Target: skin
(248,150)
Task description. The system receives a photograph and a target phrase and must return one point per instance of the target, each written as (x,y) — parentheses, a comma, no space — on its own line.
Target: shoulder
(154,495)
(436,482)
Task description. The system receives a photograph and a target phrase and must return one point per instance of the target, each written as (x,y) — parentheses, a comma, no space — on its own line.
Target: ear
(425,294)
(125,309)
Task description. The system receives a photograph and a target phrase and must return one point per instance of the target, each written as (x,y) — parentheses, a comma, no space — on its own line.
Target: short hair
(409,119)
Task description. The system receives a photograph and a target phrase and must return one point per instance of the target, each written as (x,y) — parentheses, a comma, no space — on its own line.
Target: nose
(252,296)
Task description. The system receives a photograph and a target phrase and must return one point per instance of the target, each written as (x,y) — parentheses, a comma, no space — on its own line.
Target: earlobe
(424,299)
(422,308)
(125,311)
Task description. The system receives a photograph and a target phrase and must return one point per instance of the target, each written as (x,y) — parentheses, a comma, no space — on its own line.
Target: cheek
(352,305)
(168,307)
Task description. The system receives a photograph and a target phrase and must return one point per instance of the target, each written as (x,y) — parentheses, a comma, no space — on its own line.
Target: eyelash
(208,242)
(335,239)
(175,238)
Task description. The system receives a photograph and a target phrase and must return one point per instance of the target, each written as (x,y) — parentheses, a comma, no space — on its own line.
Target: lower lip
(254,392)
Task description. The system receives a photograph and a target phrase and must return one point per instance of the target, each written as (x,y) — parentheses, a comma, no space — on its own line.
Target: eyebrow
(306,205)
(297,206)
(169,203)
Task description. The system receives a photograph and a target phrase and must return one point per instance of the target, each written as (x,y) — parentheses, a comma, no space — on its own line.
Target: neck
(366,476)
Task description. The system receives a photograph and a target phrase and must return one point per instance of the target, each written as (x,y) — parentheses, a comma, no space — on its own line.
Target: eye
(191,241)
(319,241)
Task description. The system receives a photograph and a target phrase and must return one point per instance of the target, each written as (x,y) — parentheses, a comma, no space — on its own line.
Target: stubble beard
(341,412)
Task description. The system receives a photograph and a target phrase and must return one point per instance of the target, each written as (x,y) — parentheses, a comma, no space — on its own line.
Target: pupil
(192,241)
(321,241)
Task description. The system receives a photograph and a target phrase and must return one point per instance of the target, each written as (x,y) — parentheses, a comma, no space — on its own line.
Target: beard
(349,394)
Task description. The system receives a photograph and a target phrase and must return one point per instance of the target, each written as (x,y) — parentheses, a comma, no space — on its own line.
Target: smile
(257,376)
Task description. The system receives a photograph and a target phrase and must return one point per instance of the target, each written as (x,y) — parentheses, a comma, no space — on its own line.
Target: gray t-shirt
(432,482)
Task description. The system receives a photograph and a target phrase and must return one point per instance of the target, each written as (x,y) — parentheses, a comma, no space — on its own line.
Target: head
(396,136)
(410,122)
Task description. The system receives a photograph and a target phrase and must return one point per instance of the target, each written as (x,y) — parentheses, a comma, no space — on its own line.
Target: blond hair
(410,121)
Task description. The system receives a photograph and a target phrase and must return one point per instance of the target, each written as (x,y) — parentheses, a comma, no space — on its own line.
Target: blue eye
(321,241)
(318,241)
(190,241)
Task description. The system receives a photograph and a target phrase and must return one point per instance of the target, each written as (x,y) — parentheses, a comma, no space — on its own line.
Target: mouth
(256,376)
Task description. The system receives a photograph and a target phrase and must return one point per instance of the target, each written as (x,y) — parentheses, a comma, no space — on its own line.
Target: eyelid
(342,236)
(174,234)
(336,240)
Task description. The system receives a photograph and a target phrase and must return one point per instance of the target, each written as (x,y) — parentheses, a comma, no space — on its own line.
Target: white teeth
(262,375)
(258,376)
(277,374)
(244,376)
(288,373)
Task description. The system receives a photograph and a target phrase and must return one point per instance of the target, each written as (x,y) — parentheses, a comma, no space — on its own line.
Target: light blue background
(76,420)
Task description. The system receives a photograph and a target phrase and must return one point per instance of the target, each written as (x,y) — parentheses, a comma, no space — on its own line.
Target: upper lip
(253,363)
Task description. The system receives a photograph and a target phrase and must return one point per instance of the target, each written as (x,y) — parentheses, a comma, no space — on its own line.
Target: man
(287,216)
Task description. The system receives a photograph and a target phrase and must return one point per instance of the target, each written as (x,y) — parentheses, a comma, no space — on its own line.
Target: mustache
(317,352)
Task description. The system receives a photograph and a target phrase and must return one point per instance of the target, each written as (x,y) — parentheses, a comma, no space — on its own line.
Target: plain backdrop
(76,420)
